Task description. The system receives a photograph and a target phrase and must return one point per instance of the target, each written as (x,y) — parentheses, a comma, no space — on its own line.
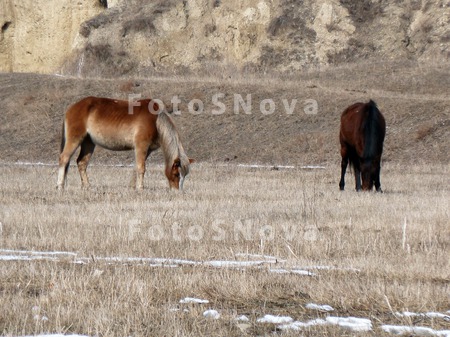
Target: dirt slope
(414,99)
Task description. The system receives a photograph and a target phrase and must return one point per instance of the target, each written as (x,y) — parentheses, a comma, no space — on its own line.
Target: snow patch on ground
(57,335)
(313,306)
(425,314)
(214,314)
(350,323)
(193,300)
(292,271)
(242,318)
(414,330)
(275,319)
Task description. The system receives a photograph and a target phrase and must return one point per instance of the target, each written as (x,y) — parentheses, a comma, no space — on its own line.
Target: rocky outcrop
(38,35)
(139,38)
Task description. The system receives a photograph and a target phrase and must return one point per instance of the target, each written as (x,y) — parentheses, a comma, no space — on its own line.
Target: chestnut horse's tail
(374,132)
(63,144)
(63,138)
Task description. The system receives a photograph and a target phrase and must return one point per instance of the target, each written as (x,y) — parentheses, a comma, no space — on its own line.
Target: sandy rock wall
(38,35)
(142,37)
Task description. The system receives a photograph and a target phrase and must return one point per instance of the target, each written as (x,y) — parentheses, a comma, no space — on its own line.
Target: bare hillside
(413,97)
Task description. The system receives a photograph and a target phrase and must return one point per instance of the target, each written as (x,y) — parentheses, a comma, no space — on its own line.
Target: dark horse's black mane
(373,135)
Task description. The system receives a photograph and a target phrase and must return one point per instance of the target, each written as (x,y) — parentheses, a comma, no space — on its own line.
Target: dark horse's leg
(377,179)
(344,164)
(357,178)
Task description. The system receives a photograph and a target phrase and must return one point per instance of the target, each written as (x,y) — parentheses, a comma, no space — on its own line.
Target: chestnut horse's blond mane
(170,143)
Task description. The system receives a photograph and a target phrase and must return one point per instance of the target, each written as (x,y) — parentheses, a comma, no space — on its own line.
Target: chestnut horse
(361,136)
(117,125)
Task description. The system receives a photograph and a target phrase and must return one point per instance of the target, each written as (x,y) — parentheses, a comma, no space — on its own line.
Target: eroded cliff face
(141,37)
(38,35)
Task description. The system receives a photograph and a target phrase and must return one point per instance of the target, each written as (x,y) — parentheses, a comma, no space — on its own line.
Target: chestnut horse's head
(178,172)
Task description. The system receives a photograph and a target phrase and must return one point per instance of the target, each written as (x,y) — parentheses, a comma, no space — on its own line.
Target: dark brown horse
(118,125)
(361,136)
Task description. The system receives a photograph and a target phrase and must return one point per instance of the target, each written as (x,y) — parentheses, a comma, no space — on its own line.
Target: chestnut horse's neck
(170,142)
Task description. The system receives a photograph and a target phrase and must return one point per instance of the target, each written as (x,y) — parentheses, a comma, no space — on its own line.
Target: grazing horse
(117,125)
(361,136)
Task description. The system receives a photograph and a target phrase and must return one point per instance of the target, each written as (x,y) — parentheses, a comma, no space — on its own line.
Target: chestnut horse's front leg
(142,153)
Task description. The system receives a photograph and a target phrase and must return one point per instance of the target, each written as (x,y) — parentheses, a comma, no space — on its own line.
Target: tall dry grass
(298,216)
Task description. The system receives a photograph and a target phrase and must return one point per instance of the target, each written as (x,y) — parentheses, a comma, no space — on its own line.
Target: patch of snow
(214,314)
(426,314)
(297,325)
(330,268)
(234,264)
(57,335)
(34,252)
(192,300)
(293,271)
(178,309)
(313,167)
(351,323)
(242,318)
(275,319)
(258,256)
(313,306)
(29,255)
(414,330)
(265,166)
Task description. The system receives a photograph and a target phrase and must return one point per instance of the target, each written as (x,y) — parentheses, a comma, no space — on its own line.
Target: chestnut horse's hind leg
(87,148)
(64,161)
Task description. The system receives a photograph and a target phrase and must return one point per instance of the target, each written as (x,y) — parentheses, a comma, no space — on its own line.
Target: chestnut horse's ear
(156,108)
(191,160)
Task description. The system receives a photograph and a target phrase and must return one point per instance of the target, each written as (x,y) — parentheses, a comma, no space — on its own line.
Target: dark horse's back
(362,134)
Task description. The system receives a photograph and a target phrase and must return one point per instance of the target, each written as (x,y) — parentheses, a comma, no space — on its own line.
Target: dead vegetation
(387,252)
(378,245)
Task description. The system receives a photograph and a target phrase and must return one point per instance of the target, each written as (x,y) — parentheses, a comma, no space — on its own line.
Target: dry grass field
(252,241)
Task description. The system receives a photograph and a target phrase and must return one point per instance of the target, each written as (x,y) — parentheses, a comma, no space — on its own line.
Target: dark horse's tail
(374,132)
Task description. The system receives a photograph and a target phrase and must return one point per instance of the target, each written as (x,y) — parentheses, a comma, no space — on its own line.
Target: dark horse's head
(369,171)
